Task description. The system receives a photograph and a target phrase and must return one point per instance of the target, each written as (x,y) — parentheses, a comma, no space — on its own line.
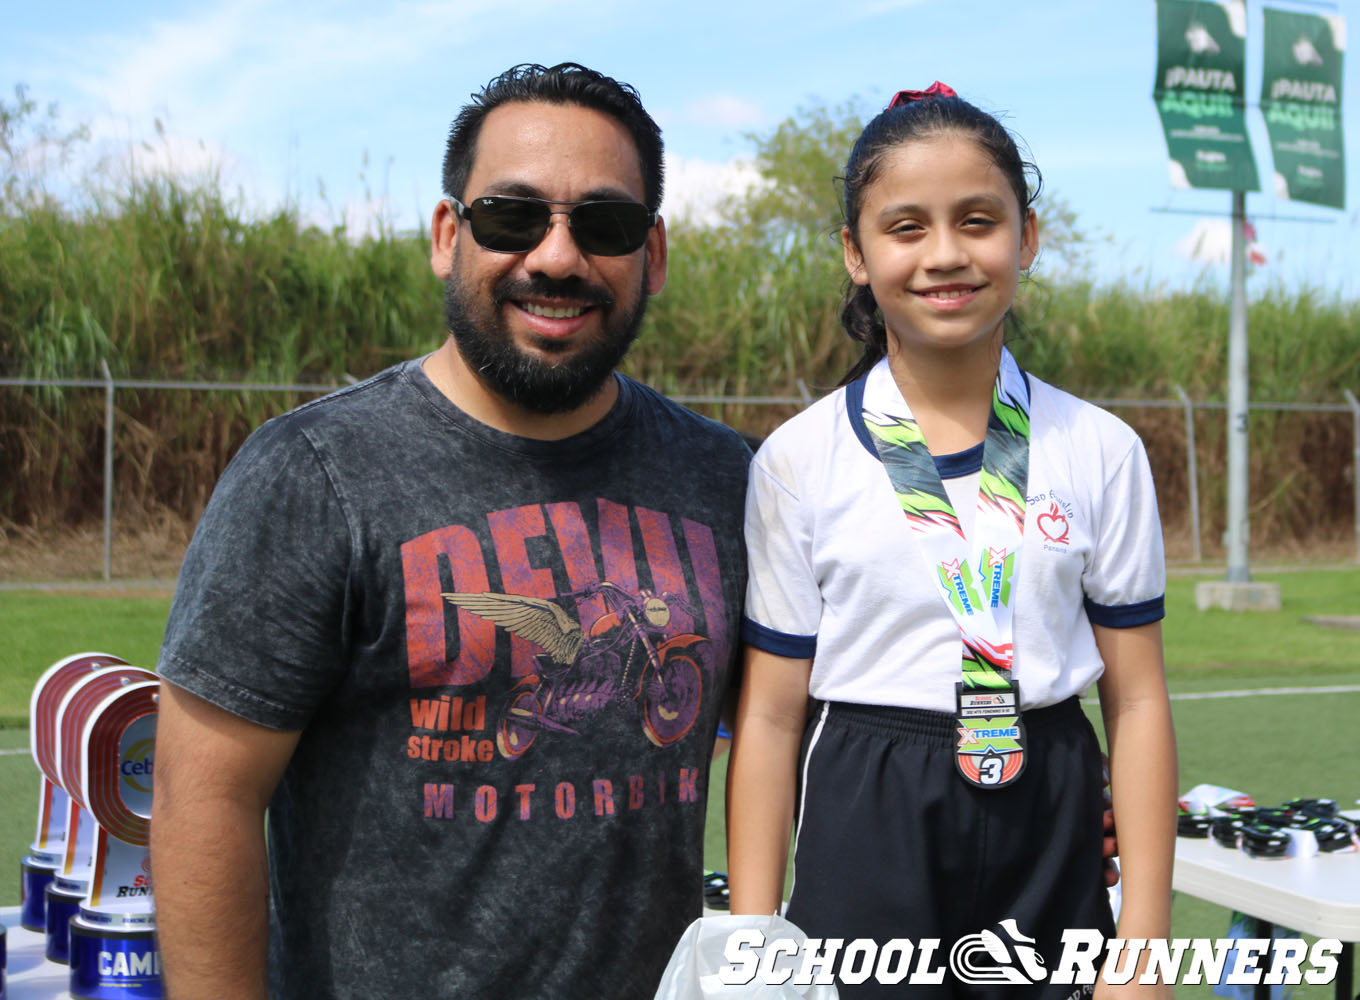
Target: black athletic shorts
(892,843)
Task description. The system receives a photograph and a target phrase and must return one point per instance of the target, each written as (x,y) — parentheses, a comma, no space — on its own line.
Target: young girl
(944,553)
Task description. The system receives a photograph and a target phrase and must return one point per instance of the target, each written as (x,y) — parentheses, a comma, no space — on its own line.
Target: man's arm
(215,774)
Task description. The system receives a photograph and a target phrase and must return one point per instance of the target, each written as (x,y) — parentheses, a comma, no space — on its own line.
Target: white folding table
(1317,895)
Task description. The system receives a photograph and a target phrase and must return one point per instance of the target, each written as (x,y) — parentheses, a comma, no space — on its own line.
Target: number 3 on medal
(989,771)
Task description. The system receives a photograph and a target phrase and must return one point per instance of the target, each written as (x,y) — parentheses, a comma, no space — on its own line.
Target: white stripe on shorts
(802,796)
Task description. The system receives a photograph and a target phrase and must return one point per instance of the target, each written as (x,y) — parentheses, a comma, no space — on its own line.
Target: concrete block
(1350,623)
(1237,596)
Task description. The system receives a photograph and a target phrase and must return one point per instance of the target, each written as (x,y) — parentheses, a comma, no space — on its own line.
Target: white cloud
(243,74)
(362,218)
(1208,242)
(177,156)
(695,188)
(169,63)
(726,111)
(233,63)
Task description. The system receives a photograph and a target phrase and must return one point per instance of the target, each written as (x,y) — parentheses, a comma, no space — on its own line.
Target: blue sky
(288,100)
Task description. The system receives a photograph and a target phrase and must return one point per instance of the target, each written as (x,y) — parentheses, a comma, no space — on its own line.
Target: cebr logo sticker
(136,767)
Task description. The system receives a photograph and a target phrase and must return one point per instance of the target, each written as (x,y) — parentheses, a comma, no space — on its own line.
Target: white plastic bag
(696,968)
(1213,799)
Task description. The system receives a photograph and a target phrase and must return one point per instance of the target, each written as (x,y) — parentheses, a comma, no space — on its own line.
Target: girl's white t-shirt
(836,572)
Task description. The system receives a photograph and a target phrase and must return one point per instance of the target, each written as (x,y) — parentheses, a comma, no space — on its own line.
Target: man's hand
(1109,846)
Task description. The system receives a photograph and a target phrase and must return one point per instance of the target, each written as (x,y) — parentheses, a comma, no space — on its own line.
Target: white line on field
(11,753)
(1334,689)
(1249,692)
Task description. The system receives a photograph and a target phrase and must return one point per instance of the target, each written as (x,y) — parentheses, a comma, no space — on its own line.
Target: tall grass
(171,279)
(1123,343)
(174,281)
(1120,340)
(737,319)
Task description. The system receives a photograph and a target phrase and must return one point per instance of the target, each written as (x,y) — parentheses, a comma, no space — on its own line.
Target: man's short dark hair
(565,83)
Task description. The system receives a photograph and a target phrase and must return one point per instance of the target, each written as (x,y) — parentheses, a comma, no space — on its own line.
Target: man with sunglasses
(464,628)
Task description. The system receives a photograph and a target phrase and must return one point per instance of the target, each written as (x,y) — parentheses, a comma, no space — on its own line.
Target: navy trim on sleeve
(795,647)
(1127,615)
(854,412)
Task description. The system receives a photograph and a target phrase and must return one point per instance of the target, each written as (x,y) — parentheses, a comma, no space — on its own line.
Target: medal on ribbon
(977,580)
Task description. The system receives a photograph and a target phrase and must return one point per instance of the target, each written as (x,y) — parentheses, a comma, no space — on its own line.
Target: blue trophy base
(114,963)
(34,877)
(62,905)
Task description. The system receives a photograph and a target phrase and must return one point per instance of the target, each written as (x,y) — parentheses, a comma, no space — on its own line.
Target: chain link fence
(1183,402)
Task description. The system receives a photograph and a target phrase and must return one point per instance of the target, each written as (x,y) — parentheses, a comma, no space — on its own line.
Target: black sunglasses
(506,224)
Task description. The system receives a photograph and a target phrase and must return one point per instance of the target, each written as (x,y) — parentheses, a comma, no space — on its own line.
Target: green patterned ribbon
(977,580)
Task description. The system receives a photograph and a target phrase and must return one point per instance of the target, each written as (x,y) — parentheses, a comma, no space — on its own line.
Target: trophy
(48,851)
(70,885)
(108,767)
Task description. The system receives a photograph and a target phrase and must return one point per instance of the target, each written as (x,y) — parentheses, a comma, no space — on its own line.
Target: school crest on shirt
(1052,524)
(1052,516)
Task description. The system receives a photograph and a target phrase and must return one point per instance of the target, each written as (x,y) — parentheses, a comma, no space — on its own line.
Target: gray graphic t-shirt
(506,658)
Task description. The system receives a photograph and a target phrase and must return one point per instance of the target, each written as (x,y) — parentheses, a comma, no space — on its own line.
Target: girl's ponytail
(862,322)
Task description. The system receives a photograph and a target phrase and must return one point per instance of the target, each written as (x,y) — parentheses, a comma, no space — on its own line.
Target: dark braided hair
(926,118)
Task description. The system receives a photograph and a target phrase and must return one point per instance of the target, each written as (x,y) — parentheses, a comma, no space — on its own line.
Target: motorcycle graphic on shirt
(622,657)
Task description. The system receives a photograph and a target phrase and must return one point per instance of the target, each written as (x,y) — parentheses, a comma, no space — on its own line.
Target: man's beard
(537,385)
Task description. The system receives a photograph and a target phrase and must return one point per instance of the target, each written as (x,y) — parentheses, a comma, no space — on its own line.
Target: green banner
(1301,102)
(1200,93)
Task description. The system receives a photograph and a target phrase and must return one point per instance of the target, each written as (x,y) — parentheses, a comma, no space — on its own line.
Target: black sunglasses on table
(507,224)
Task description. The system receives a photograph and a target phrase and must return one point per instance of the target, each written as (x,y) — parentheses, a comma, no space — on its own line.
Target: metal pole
(108,470)
(1355,460)
(1238,528)
(1191,471)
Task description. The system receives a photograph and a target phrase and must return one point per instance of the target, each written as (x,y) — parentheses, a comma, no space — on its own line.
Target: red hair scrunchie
(936,89)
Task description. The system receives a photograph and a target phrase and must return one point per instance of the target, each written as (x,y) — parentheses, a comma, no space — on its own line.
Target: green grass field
(1273,746)
(42,627)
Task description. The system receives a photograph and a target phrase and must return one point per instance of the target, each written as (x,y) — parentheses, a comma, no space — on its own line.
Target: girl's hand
(1133,990)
